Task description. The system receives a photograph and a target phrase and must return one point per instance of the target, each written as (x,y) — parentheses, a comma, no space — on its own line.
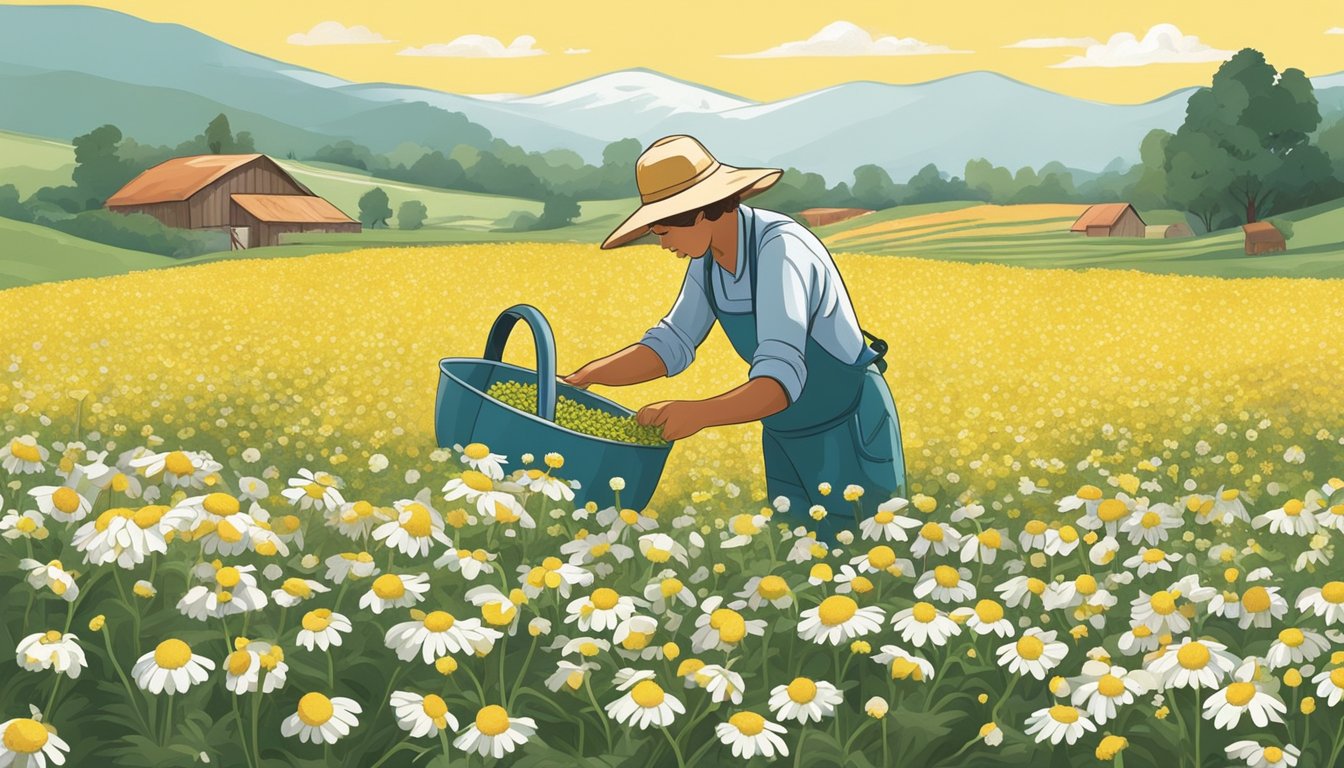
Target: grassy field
(29,162)
(32,254)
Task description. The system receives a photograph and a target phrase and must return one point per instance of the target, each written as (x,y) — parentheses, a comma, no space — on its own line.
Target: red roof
(1101,215)
(181,177)
(291,209)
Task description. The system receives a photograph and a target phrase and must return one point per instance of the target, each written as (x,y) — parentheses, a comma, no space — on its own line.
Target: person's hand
(678,418)
(578,379)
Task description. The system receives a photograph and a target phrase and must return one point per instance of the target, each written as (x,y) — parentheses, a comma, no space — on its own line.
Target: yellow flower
(1308,705)
(1162,712)
(1292,677)
(97,622)
(446,665)
(983,698)
(925,504)
(1111,746)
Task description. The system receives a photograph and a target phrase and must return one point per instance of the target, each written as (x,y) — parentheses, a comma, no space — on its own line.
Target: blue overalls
(842,429)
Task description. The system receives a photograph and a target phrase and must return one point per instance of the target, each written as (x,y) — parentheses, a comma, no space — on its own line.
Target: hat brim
(726,181)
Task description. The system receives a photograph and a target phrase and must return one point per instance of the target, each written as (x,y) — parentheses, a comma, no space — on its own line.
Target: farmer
(815,384)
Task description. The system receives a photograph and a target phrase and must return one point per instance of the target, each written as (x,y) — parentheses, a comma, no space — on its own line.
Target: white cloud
(336,33)
(841,38)
(1335,31)
(478,47)
(577,51)
(1162,44)
(1054,42)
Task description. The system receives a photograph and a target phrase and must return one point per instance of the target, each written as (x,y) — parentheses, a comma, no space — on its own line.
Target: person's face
(687,242)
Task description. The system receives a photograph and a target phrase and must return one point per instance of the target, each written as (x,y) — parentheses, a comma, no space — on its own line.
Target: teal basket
(463,414)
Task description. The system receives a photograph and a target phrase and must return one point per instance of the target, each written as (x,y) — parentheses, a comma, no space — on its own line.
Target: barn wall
(1129,225)
(172,214)
(210,206)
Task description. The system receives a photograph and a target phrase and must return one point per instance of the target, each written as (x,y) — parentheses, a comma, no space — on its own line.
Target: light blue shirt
(799,293)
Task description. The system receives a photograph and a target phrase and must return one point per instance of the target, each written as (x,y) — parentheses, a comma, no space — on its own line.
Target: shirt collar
(742,213)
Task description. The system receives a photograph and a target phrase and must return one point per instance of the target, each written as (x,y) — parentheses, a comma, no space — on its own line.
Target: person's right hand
(578,379)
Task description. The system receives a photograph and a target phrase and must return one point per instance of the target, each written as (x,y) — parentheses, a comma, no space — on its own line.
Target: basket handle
(545,344)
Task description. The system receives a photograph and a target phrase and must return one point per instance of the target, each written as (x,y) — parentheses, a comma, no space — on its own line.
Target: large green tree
(99,170)
(373,208)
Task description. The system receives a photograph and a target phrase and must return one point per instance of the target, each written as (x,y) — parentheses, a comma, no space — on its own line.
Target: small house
(1109,220)
(1263,237)
(818,217)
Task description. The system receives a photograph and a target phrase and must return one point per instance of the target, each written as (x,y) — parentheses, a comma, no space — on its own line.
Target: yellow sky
(686,39)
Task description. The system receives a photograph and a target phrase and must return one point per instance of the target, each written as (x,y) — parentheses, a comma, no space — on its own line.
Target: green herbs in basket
(575,416)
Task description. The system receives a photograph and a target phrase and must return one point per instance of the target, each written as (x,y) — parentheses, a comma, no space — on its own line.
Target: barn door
(237,238)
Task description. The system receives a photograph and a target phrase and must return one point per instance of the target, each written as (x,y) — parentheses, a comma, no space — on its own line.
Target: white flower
(722,683)
(749,734)
(321,719)
(838,619)
(310,490)
(1058,723)
(946,584)
(1256,755)
(1034,653)
(358,565)
(720,628)
(422,715)
(250,662)
(1193,664)
(1326,601)
(393,590)
(417,525)
(495,733)
(27,742)
(1295,646)
(1244,695)
(170,668)
(921,623)
(1102,689)
(51,650)
(51,575)
(887,524)
(235,591)
(61,503)
(377,463)
(295,590)
(23,456)
(805,699)
(904,665)
(601,611)
(322,628)
(645,703)
(180,469)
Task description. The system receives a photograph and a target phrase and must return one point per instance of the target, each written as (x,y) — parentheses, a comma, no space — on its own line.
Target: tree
(99,171)
(218,137)
(873,187)
(373,208)
(995,183)
(559,211)
(411,215)
(1150,190)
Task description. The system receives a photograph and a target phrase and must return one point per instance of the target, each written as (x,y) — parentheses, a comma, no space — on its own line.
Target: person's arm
(665,350)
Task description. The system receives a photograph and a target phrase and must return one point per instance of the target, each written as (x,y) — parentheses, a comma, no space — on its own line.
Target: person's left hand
(678,418)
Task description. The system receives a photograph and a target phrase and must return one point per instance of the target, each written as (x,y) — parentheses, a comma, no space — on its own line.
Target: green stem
(681,762)
(601,713)
(256,750)
(1199,757)
(242,734)
(167,721)
(850,741)
(798,748)
(130,694)
(331,671)
(1339,743)
(394,750)
(46,711)
(994,713)
(518,680)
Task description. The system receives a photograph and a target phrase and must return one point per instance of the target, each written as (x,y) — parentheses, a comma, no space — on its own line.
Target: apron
(842,429)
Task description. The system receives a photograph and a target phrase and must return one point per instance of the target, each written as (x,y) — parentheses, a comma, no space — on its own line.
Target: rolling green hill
(29,162)
(32,254)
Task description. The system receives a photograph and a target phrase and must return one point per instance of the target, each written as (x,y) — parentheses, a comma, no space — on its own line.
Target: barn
(1109,220)
(1263,237)
(199,192)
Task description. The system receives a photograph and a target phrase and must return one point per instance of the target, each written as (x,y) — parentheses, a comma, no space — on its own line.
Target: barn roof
(181,177)
(291,209)
(1261,230)
(1101,215)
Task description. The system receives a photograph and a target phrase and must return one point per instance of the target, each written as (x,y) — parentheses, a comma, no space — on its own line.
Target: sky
(1116,52)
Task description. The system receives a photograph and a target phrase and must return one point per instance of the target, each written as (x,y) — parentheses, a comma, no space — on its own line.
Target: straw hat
(677,174)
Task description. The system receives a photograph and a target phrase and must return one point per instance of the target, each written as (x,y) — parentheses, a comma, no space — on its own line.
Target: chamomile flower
(1261,607)
(567,673)
(984,547)
(394,590)
(838,619)
(946,584)
(235,591)
(645,703)
(321,719)
(314,490)
(494,502)
(23,456)
(721,683)
(478,456)
(1152,525)
(1295,646)
(1017,591)
(1253,754)
(935,538)
(51,575)
(1326,601)
(749,734)
(1294,518)
(1159,612)
(744,528)
(494,732)
(1150,560)
(804,700)
(760,590)
(293,591)
(1088,498)
(1034,653)
(23,525)
(601,611)
(254,664)
(535,481)
(922,623)
(471,563)
(497,608)
(904,665)
(1061,541)
(178,469)
(1103,688)
(659,548)
(987,617)
(1193,663)
(61,503)
(887,524)
(416,527)
(422,715)
(356,565)
(1058,723)
(664,592)
(170,668)
(1243,695)
(354,519)
(721,628)
(322,628)
(553,573)
(617,522)
(27,742)
(51,650)
(1330,685)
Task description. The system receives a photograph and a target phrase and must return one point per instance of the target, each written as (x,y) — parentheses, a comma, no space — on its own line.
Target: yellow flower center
(1064,714)
(802,690)
(1293,508)
(389,587)
(221,504)
(1090,493)
(605,598)
(1035,527)
(1111,510)
(1337,677)
(990,539)
(172,654)
(28,525)
(419,523)
(884,517)
(477,481)
(743,525)
(51,636)
(730,624)
(318,620)
(1273,754)
(988,611)
(1085,584)
(1068,534)
(647,694)
(923,612)
(24,735)
(1153,555)
(314,490)
(297,588)
(629,516)
(492,720)
(1162,603)
(881,557)
(25,451)
(238,662)
(1110,686)
(476,451)
(1333,592)
(147,517)
(1035,586)
(1292,637)
(229,532)
(748,723)
(1150,520)
(836,609)
(931,532)
(434,706)
(1256,599)
(1193,655)
(179,463)
(315,709)
(498,614)
(1030,647)
(552,563)
(772,587)
(65,499)
(1240,694)
(946,576)
(228,577)
(670,587)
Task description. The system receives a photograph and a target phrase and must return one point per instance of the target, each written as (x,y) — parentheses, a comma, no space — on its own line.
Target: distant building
(1263,237)
(1109,220)
(1168,230)
(817,217)
(201,191)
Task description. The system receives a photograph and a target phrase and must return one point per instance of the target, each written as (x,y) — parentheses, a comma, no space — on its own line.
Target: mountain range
(64,70)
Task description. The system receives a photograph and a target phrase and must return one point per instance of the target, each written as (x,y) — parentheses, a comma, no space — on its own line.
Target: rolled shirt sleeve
(783,313)
(675,338)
